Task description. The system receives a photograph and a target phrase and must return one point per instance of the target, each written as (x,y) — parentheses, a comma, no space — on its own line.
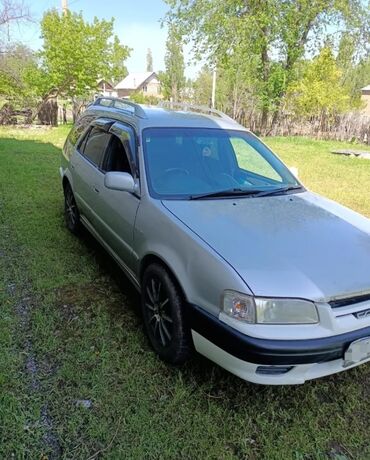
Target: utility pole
(213,100)
(64,6)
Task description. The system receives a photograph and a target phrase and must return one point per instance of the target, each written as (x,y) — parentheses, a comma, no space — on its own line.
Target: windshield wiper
(243,192)
(227,192)
(279,190)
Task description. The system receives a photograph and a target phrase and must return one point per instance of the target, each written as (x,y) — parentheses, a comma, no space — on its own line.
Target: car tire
(71,213)
(164,316)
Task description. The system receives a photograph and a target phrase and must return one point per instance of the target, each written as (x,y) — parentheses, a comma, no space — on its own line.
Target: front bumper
(243,354)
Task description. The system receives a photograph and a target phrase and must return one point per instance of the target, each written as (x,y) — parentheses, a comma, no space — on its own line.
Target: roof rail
(186,107)
(118,103)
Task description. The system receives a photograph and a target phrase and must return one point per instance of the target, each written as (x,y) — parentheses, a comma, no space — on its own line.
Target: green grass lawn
(70,331)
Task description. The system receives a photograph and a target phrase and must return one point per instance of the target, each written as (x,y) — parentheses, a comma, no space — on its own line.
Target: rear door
(88,177)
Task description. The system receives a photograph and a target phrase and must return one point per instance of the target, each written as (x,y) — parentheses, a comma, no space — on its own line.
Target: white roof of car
(366,88)
(134,80)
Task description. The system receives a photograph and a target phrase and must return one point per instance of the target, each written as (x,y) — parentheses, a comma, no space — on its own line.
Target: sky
(137,24)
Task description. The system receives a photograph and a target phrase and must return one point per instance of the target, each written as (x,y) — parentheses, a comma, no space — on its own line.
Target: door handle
(96,190)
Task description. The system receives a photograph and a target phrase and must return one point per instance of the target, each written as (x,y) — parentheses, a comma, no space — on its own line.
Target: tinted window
(94,146)
(78,129)
(116,158)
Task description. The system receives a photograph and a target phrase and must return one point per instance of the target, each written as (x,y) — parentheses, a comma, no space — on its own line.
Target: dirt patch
(338,452)
(72,298)
(23,306)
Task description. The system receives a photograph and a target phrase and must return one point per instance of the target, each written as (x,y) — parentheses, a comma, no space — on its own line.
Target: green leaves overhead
(264,40)
(76,53)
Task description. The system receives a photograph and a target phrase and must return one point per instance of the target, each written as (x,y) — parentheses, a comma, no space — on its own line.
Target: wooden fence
(349,127)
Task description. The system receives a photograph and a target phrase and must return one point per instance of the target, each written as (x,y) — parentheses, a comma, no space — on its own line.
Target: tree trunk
(48,112)
(75,109)
(52,94)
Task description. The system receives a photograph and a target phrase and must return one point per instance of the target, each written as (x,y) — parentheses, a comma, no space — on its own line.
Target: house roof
(366,88)
(134,80)
(103,80)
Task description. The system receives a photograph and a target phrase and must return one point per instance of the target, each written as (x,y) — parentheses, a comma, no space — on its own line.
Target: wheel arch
(65,182)
(149,259)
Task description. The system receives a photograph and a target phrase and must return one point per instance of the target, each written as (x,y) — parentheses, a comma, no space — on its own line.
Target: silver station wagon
(233,256)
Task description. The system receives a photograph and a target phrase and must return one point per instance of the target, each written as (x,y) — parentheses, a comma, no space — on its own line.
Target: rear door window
(78,129)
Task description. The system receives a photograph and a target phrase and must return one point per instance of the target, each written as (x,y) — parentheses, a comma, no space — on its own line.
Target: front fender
(202,273)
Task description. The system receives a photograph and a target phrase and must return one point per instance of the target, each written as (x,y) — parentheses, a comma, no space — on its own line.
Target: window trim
(132,149)
(116,128)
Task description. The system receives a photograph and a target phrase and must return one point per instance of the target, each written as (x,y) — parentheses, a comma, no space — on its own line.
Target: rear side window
(94,145)
(77,130)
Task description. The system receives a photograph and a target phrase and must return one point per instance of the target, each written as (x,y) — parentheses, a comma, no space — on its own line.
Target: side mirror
(119,181)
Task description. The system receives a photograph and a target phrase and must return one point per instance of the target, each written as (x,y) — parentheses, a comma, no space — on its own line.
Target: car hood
(296,245)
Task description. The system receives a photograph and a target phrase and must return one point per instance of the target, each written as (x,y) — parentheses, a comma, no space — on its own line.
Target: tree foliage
(75,54)
(320,92)
(173,80)
(355,69)
(263,41)
(13,56)
(202,86)
(14,59)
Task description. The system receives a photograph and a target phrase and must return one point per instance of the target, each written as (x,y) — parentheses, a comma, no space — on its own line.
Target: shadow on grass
(109,267)
(20,147)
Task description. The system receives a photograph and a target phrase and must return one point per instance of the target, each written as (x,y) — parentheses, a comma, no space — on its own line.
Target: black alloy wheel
(163,309)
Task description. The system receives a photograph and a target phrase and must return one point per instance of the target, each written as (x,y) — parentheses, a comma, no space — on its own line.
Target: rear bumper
(326,354)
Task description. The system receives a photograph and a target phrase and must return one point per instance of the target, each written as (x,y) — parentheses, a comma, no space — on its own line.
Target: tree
(355,68)
(271,35)
(12,11)
(320,93)
(173,80)
(12,55)
(14,59)
(75,55)
(202,87)
(149,61)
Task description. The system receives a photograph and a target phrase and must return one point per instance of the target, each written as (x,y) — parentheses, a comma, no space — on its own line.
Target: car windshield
(187,163)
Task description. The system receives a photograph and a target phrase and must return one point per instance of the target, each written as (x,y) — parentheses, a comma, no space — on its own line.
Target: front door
(118,209)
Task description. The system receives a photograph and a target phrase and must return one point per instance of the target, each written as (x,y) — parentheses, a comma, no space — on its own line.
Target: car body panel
(285,246)
(116,213)
(200,271)
(87,181)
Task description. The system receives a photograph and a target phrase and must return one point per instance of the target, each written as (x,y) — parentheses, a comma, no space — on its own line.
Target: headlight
(268,311)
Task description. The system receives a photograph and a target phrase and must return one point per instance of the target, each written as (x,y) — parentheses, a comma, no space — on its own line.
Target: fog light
(273,370)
